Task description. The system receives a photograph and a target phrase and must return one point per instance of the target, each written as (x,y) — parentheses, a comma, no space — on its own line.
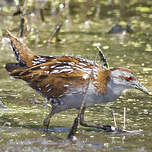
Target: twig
(124,126)
(20,11)
(41,10)
(21,28)
(77,119)
(114,118)
(85,93)
(103,58)
(17,11)
(54,34)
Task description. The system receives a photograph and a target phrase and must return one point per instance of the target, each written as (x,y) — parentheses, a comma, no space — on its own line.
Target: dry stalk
(85,93)
(114,118)
(54,34)
(77,119)
(124,125)
(21,27)
(102,58)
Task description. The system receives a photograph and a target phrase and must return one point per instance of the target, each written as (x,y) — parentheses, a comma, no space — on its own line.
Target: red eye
(128,78)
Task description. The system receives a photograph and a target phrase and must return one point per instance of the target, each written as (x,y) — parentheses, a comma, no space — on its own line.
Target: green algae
(85,26)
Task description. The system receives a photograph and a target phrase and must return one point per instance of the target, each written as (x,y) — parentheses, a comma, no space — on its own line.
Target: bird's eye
(128,78)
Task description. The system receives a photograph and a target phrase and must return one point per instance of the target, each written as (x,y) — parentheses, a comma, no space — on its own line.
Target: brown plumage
(63,79)
(52,76)
(23,54)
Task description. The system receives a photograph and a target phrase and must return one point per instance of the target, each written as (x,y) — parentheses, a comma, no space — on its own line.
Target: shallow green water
(86,25)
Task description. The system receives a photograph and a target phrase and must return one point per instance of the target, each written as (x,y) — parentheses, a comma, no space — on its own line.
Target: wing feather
(53,79)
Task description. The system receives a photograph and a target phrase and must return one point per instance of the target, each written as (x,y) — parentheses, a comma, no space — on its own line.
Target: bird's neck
(101,79)
(113,90)
(105,85)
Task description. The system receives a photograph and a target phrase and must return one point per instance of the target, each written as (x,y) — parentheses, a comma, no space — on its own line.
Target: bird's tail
(23,54)
(15,69)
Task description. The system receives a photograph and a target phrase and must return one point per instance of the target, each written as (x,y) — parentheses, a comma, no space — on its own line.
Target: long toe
(108,128)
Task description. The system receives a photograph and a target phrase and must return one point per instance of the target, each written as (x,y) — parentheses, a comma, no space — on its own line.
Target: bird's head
(125,79)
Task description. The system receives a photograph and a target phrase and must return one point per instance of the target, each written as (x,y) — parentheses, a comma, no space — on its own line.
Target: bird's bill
(140,87)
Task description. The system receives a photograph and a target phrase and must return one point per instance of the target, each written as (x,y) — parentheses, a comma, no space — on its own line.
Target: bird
(63,79)
(119,29)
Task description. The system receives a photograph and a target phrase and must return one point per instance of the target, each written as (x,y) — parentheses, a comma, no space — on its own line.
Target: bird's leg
(73,128)
(46,122)
(107,128)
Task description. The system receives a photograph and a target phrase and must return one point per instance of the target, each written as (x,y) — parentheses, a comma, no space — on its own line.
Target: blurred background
(122,28)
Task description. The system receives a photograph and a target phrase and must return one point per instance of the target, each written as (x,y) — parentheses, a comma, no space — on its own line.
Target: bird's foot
(109,128)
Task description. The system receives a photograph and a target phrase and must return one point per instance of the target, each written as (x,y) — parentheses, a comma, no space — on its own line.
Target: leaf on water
(105,47)
(135,21)
(143,9)
(17,2)
(148,47)
(147,69)
(135,44)
(123,23)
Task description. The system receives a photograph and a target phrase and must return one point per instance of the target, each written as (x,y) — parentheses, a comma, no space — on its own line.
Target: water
(86,25)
